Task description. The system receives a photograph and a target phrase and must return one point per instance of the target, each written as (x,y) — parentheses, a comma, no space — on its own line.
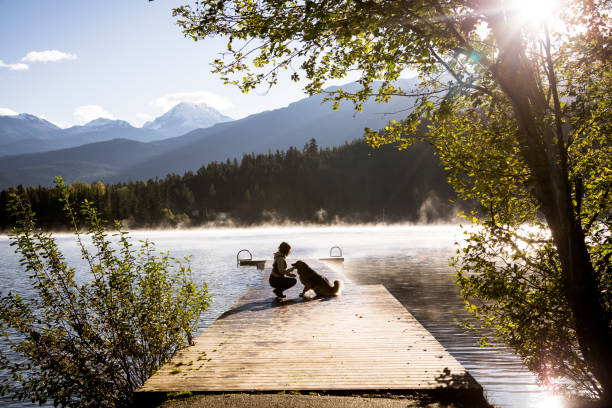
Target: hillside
(352,183)
(271,130)
(89,162)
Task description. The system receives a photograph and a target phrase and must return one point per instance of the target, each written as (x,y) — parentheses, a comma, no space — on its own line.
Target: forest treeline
(352,183)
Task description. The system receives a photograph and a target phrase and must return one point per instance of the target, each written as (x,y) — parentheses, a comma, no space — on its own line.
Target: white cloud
(87,113)
(7,112)
(48,56)
(14,67)
(144,116)
(168,101)
(38,56)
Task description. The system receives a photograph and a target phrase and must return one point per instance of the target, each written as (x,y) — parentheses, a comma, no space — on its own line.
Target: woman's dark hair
(284,248)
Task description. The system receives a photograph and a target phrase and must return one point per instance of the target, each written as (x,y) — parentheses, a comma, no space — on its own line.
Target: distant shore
(276,227)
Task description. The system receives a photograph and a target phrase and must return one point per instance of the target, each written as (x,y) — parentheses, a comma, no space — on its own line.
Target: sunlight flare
(552,401)
(535,13)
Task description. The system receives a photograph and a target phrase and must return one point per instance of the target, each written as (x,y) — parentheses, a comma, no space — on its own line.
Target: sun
(535,13)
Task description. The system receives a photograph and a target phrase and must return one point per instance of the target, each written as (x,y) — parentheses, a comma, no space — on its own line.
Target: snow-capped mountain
(98,125)
(186,117)
(23,126)
(27,133)
(36,121)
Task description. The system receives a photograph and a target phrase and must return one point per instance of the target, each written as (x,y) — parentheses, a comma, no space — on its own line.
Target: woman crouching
(281,278)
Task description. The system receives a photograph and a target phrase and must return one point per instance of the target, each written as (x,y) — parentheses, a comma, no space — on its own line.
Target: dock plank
(362,340)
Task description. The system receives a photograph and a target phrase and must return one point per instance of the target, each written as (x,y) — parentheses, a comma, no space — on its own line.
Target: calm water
(411,261)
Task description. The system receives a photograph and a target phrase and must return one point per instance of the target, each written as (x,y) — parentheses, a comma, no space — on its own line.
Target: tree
(519,111)
(311,147)
(93,341)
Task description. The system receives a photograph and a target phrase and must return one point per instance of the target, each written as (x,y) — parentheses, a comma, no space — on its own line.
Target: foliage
(510,271)
(350,183)
(518,111)
(92,340)
(511,282)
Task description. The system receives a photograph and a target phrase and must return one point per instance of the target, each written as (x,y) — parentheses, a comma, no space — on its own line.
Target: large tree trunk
(545,158)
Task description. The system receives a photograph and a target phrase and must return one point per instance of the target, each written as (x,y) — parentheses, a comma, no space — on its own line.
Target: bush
(93,342)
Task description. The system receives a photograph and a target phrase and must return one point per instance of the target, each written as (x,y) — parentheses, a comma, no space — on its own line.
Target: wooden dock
(361,341)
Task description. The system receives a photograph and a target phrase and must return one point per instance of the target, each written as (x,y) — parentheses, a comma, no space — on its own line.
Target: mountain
(49,138)
(267,131)
(271,130)
(96,125)
(85,163)
(101,130)
(25,133)
(22,127)
(186,117)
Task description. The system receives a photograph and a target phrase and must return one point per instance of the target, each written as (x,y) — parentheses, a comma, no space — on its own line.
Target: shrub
(92,341)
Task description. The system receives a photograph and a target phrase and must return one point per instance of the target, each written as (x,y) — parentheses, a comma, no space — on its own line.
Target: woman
(281,278)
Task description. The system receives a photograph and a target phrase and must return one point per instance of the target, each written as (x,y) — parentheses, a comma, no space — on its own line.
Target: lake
(410,261)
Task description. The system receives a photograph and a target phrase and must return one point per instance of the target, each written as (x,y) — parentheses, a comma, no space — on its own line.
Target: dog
(315,281)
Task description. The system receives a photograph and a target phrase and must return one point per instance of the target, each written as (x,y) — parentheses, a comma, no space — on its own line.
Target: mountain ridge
(277,129)
(23,126)
(26,133)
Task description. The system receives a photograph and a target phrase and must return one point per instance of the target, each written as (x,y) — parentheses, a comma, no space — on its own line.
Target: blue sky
(120,59)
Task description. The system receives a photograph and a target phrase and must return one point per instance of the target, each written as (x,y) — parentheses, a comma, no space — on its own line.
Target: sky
(72,61)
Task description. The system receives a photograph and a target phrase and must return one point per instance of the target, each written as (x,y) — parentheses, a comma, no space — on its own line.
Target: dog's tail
(337,287)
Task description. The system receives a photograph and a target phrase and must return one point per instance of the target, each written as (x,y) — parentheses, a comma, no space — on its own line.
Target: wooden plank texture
(362,340)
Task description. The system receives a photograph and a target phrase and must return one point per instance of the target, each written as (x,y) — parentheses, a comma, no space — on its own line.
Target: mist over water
(410,261)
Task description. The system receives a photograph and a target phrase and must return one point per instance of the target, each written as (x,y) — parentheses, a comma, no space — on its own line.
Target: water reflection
(422,282)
